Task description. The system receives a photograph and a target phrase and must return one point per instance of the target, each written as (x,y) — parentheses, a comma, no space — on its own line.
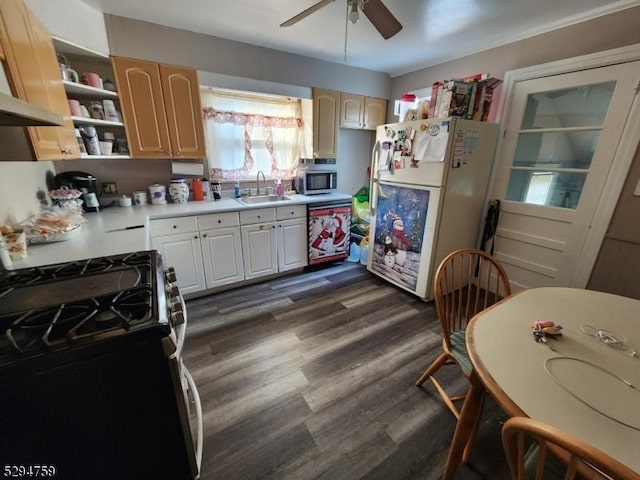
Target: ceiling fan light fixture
(354,16)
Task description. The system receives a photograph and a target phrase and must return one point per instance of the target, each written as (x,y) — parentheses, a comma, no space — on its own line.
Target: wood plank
(313,376)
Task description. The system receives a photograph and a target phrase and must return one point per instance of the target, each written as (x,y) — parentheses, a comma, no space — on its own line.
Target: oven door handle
(199,420)
(181,330)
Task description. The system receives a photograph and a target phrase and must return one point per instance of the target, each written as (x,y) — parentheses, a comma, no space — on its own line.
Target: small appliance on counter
(312,182)
(84,182)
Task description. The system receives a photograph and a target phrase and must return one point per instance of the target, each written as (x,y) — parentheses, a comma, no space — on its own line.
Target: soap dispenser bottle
(236,190)
(279,188)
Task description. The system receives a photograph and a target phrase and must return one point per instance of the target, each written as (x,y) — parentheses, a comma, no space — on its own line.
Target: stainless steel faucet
(264,181)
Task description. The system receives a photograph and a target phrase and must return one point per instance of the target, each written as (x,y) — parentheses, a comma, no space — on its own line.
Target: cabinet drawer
(293,211)
(247,217)
(167,226)
(218,220)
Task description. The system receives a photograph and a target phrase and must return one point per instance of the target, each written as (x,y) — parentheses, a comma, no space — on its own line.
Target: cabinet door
(142,106)
(222,256)
(326,110)
(35,77)
(292,244)
(182,252)
(375,112)
(351,110)
(181,93)
(259,251)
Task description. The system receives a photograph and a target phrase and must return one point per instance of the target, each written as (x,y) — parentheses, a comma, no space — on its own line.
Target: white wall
(74,21)
(23,189)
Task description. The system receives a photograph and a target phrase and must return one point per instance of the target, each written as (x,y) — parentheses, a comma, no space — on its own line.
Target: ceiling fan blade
(381,18)
(306,13)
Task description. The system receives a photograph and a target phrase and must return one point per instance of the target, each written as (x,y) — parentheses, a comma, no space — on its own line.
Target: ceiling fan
(374,10)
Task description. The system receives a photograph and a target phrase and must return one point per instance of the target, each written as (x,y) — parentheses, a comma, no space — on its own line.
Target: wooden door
(222,256)
(563,135)
(182,252)
(326,109)
(375,112)
(292,244)
(141,100)
(35,77)
(351,110)
(259,251)
(181,93)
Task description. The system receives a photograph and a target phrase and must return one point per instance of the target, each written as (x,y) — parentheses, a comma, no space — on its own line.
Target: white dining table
(578,383)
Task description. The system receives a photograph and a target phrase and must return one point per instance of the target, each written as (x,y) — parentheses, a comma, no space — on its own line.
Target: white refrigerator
(429,181)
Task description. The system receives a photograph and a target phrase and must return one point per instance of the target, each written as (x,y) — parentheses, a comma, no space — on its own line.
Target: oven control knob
(175,307)
(170,275)
(177,318)
(172,290)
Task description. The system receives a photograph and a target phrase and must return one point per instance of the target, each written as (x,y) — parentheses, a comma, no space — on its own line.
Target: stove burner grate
(78,323)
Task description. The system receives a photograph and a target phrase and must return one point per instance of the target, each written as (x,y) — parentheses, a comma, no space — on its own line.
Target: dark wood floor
(311,376)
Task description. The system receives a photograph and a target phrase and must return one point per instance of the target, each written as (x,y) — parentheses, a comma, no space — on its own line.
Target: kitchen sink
(263,199)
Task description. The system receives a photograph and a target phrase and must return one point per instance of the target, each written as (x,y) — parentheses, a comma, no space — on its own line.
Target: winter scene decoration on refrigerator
(399,231)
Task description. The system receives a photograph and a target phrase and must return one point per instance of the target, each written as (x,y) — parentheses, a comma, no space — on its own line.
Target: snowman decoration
(398,240)
(389,253)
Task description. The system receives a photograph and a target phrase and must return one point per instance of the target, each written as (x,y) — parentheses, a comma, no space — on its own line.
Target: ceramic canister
(179,191)
(158,194)
(139,197)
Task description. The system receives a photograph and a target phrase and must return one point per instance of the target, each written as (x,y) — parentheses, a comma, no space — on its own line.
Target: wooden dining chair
(467,281)
(537,451)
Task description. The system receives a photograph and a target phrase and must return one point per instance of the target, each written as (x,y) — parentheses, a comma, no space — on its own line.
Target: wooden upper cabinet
(161,109)
(181,91)
(34,74)
(142,104)
(326,115)
(375,112)
(360,112)
(351,110)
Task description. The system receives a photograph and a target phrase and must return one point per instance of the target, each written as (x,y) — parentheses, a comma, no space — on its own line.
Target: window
(247,133)
(556,144)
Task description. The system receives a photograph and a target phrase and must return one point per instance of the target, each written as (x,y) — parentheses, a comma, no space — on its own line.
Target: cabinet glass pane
(541,187)
(570,107)
(556,149)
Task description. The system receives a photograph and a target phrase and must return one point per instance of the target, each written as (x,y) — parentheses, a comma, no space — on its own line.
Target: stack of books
(468,97)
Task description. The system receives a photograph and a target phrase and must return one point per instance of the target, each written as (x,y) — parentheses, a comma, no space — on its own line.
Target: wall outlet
(110,188)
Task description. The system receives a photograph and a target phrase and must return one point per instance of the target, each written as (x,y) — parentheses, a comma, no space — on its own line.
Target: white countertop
(96,239)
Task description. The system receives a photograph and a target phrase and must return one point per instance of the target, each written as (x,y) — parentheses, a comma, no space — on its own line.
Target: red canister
(197,189)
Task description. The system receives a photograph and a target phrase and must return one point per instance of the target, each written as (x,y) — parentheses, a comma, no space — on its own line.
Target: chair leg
(466,455)
(433,368)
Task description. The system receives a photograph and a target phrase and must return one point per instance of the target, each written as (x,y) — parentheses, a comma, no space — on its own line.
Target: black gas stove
(74,304)
(90,366)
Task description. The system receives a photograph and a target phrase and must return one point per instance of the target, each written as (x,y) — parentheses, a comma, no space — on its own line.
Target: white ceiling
(433,30)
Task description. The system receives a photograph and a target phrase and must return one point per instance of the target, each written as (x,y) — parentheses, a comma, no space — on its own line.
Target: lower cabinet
(209,251)
(273,240)
(182,252)
(221,248)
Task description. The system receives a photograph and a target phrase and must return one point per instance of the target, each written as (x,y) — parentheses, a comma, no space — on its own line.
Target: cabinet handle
(204,235)
(219,221)
(262,227)
(273,226)
(178,153)
(259,216)
(175,226)
(195,236)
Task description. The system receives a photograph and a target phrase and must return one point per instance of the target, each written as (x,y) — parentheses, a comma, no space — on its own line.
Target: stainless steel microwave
(310,182)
